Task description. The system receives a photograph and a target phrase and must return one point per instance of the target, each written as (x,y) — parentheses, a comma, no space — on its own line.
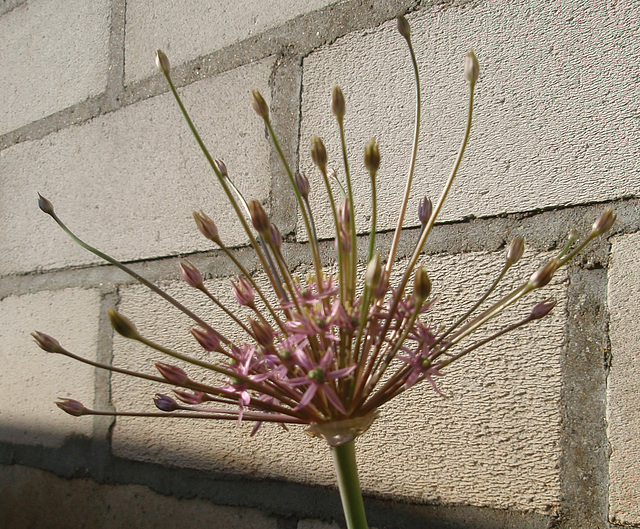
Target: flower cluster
(329,352)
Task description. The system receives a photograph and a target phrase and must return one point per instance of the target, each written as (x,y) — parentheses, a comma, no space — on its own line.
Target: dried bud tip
(318,153)
(123,325)
(162,62)
(302,183)
(165,402)
(421,284)
(259,105)
(173,374)
(72,407)
(515,250)
(371,155)
(604,222)
(374,271)
(45,205)
(424,210)
(46,342)
(337,103)
(542,309)
(544,274)
(259,217)
(471,68)
(191,274)
(403,27)
(221,167)
(207,340)
(206,226)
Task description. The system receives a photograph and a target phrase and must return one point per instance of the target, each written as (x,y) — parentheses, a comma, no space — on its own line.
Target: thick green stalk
(344,459)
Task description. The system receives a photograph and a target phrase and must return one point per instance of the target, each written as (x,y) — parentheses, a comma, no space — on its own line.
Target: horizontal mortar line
(252,49)
(478,235)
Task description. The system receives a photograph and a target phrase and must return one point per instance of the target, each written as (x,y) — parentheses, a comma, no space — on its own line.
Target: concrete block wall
(540,431)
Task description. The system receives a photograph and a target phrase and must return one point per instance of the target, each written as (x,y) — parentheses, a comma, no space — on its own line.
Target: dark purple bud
(191,275)
(209,341)
(72,407)
(172,374)
(45,205)
(165,403)
(542,309)
(46,342)
(424,210)
(222,168)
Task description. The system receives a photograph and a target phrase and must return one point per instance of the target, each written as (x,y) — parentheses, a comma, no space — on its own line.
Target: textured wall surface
(538,431)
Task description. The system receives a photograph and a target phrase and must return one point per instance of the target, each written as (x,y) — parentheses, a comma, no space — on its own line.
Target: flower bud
(45,205)
(262,331)
(318,153)
(542,309)
(344,214)
(471,68)
(604,222)
(337,103)
(162,62)
(259,217)
(424,210)
(371,155)
(302,183)
(343,239)
(172,374)
(46,342)
(207,340)
(381,288)
(276,237)
(243,291)
(374,270)
(259,105)
(123,325)
(191,275)
(195,398)
(421,284)
(221,167)
(403,27)
(206,226)
(544,274)
(72,407)
(165,402)
(515,250)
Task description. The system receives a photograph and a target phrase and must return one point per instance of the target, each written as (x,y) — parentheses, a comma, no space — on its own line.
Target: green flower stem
(374,215)
(344,459)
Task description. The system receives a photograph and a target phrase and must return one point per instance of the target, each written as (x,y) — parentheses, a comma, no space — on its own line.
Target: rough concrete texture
(552,123)
(30,379)
(34,498)
(316,524)
(494,442)
(623,387)
(177,28)
(51,58)
(127,182)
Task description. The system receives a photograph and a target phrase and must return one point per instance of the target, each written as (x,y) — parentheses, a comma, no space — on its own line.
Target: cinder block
(553,108)
(192,28)
(34,498)
(493,442)
(128,182)
(31,380)
(52,56)
(623,385)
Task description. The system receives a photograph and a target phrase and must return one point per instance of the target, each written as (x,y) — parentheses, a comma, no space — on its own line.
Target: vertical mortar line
(101,439)
(115,75)
(286,88)
(584,445)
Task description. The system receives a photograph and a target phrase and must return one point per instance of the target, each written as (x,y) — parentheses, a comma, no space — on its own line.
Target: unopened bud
(544,274)
(374,270)
(259,105)
(191,275)
(165,402)
(371,155)
(46,342)
(424,210)
(276,237)
(197,397)
(471,68)
(344,214)
(421,284)
(221,167)
(206,226)
(337,103)
(542,309)
(604,222)
(72,407)
(262,331)
(45,205)
(162,62)
(172,374)
(403,27)
(318,153)
(515,250)
(123,325)
(259,217)
(207,340)
(381,288)
(343,239)
(302,183)
(243,291)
